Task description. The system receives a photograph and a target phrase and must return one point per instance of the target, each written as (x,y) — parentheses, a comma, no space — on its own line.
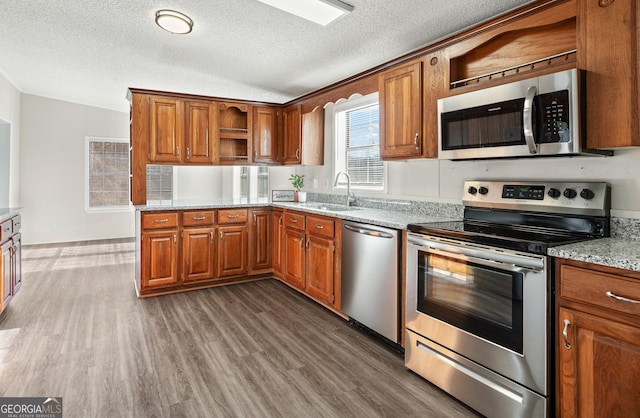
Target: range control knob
(472,190)
(570,193)
(587,194)
(554,193)
(483,190)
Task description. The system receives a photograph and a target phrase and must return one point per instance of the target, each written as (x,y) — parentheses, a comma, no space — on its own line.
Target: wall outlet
(56,224)
(315,183)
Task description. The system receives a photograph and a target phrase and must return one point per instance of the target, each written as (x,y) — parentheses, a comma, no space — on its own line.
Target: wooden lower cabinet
(277,239)
(598,341)
(260,239)
(199,255)
(160,258)
(232,251)
(294,257)
(319,268)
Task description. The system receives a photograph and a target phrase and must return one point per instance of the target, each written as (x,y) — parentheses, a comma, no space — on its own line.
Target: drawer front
(199,218)
(6,230)
(162,220)
(17,223)
(320,226)
(232,216)
(294,220)
(600,289)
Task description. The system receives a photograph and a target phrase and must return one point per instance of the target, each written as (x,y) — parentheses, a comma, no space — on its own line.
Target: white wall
(10,114)
(201,183)
(442,180)
(52,177)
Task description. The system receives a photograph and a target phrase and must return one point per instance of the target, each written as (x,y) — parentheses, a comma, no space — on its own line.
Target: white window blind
(358,143)
(159,182)
(107,174)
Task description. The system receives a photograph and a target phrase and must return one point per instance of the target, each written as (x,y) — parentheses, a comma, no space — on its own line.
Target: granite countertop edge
(379,217)
(8,213)
(623,253)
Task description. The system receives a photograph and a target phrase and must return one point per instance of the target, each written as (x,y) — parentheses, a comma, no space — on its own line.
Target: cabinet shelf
(234,133)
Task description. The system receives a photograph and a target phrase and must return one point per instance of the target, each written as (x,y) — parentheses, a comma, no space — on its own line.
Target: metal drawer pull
(294,221)
(159,221)
(319,226)
(232,216)
(620,298)
(199,218)
(567,345)
(415,141)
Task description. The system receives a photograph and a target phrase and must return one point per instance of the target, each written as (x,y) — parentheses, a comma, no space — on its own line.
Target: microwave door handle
(527,119)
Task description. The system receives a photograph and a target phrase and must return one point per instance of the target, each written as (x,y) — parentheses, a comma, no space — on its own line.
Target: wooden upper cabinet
(198,138)
(292,135)
(167,129)
(313,137)
(608,51)
(435,86)
(400,97)
(234,132)
(265,134)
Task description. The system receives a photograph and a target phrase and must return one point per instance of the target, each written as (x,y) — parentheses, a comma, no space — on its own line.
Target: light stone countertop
(7,213)
(622,253)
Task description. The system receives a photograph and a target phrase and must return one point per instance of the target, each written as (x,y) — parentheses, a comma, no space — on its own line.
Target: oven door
(489,305)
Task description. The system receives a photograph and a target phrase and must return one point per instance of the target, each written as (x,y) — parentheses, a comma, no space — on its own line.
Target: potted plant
(297,181)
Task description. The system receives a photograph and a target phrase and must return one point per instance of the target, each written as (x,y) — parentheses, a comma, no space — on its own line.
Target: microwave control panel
(555,117)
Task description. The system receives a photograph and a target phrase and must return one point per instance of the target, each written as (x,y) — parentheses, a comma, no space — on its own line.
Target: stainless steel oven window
(482,300)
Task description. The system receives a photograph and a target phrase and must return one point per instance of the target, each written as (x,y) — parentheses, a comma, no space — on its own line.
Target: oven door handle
(488,255)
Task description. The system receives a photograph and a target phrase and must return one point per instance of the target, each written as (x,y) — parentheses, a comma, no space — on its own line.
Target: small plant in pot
(297,181)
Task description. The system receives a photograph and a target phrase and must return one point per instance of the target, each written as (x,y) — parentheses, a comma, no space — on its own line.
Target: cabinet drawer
(161,220)
(232,216)
(320,226)
(6,230)
(204,217)
(17,223)
(294,220)
(600,289)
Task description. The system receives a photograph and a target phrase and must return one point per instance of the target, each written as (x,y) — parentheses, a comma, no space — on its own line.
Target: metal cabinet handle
(175,239)
(298,154)
(567,345)
(255,221)
(188,153)
(159,221)
(232,216)
(294,221)
(221,236)
(527,119)
(620,298)
(178,150)
(211,236)
(307,244)
(280,222)
(415,141)
(319,226)
(199,218)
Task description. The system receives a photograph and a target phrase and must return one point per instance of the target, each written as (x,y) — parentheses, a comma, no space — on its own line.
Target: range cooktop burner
(528,217)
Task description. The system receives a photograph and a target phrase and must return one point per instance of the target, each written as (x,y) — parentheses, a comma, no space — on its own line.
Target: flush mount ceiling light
(174,22)
(321,12)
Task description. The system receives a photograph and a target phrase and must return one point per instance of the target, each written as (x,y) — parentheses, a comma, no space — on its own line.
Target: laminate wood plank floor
(260,349)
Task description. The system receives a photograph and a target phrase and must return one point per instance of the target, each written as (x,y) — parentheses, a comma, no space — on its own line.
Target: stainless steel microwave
(535,117)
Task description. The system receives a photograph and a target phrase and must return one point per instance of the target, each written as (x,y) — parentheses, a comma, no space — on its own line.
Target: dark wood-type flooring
(258,349)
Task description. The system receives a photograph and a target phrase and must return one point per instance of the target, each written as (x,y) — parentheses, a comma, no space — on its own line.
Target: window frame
(87,191)
(339,146)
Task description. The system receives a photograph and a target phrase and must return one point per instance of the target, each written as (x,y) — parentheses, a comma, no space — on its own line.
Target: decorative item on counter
(282,195)
(297,181)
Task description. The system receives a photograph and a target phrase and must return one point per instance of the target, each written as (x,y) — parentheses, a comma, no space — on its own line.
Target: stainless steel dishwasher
(370,273)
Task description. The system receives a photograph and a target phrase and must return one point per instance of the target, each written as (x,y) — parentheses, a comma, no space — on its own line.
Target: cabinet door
(435,87)
(17,263)
(400,97)
(199,147)
(160,258)
(608,51)
(198,252)
(260,237)
(313,137)
(319,268)
(232,251)
(5,271)
(599,368)
(167,129)
(294,257)
(277,231)
(292,135)
(265,134)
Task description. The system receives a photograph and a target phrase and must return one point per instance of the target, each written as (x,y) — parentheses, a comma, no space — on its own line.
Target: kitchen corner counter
(622,253)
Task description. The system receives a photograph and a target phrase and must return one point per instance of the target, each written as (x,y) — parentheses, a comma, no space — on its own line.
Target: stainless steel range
(480,291)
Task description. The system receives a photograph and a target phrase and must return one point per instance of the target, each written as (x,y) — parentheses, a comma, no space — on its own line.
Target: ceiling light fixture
(174,22)
(321,12)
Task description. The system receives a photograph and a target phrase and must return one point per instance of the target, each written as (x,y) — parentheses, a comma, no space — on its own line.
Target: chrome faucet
(349,196)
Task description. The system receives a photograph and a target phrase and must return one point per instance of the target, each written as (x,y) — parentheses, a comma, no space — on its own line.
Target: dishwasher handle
(367,231)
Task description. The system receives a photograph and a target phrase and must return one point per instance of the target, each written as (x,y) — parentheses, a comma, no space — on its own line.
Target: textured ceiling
(90,51)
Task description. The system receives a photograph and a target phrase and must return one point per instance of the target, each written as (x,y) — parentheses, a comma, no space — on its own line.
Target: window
(107,174)
(357,140)
(253,182)
(159,183)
